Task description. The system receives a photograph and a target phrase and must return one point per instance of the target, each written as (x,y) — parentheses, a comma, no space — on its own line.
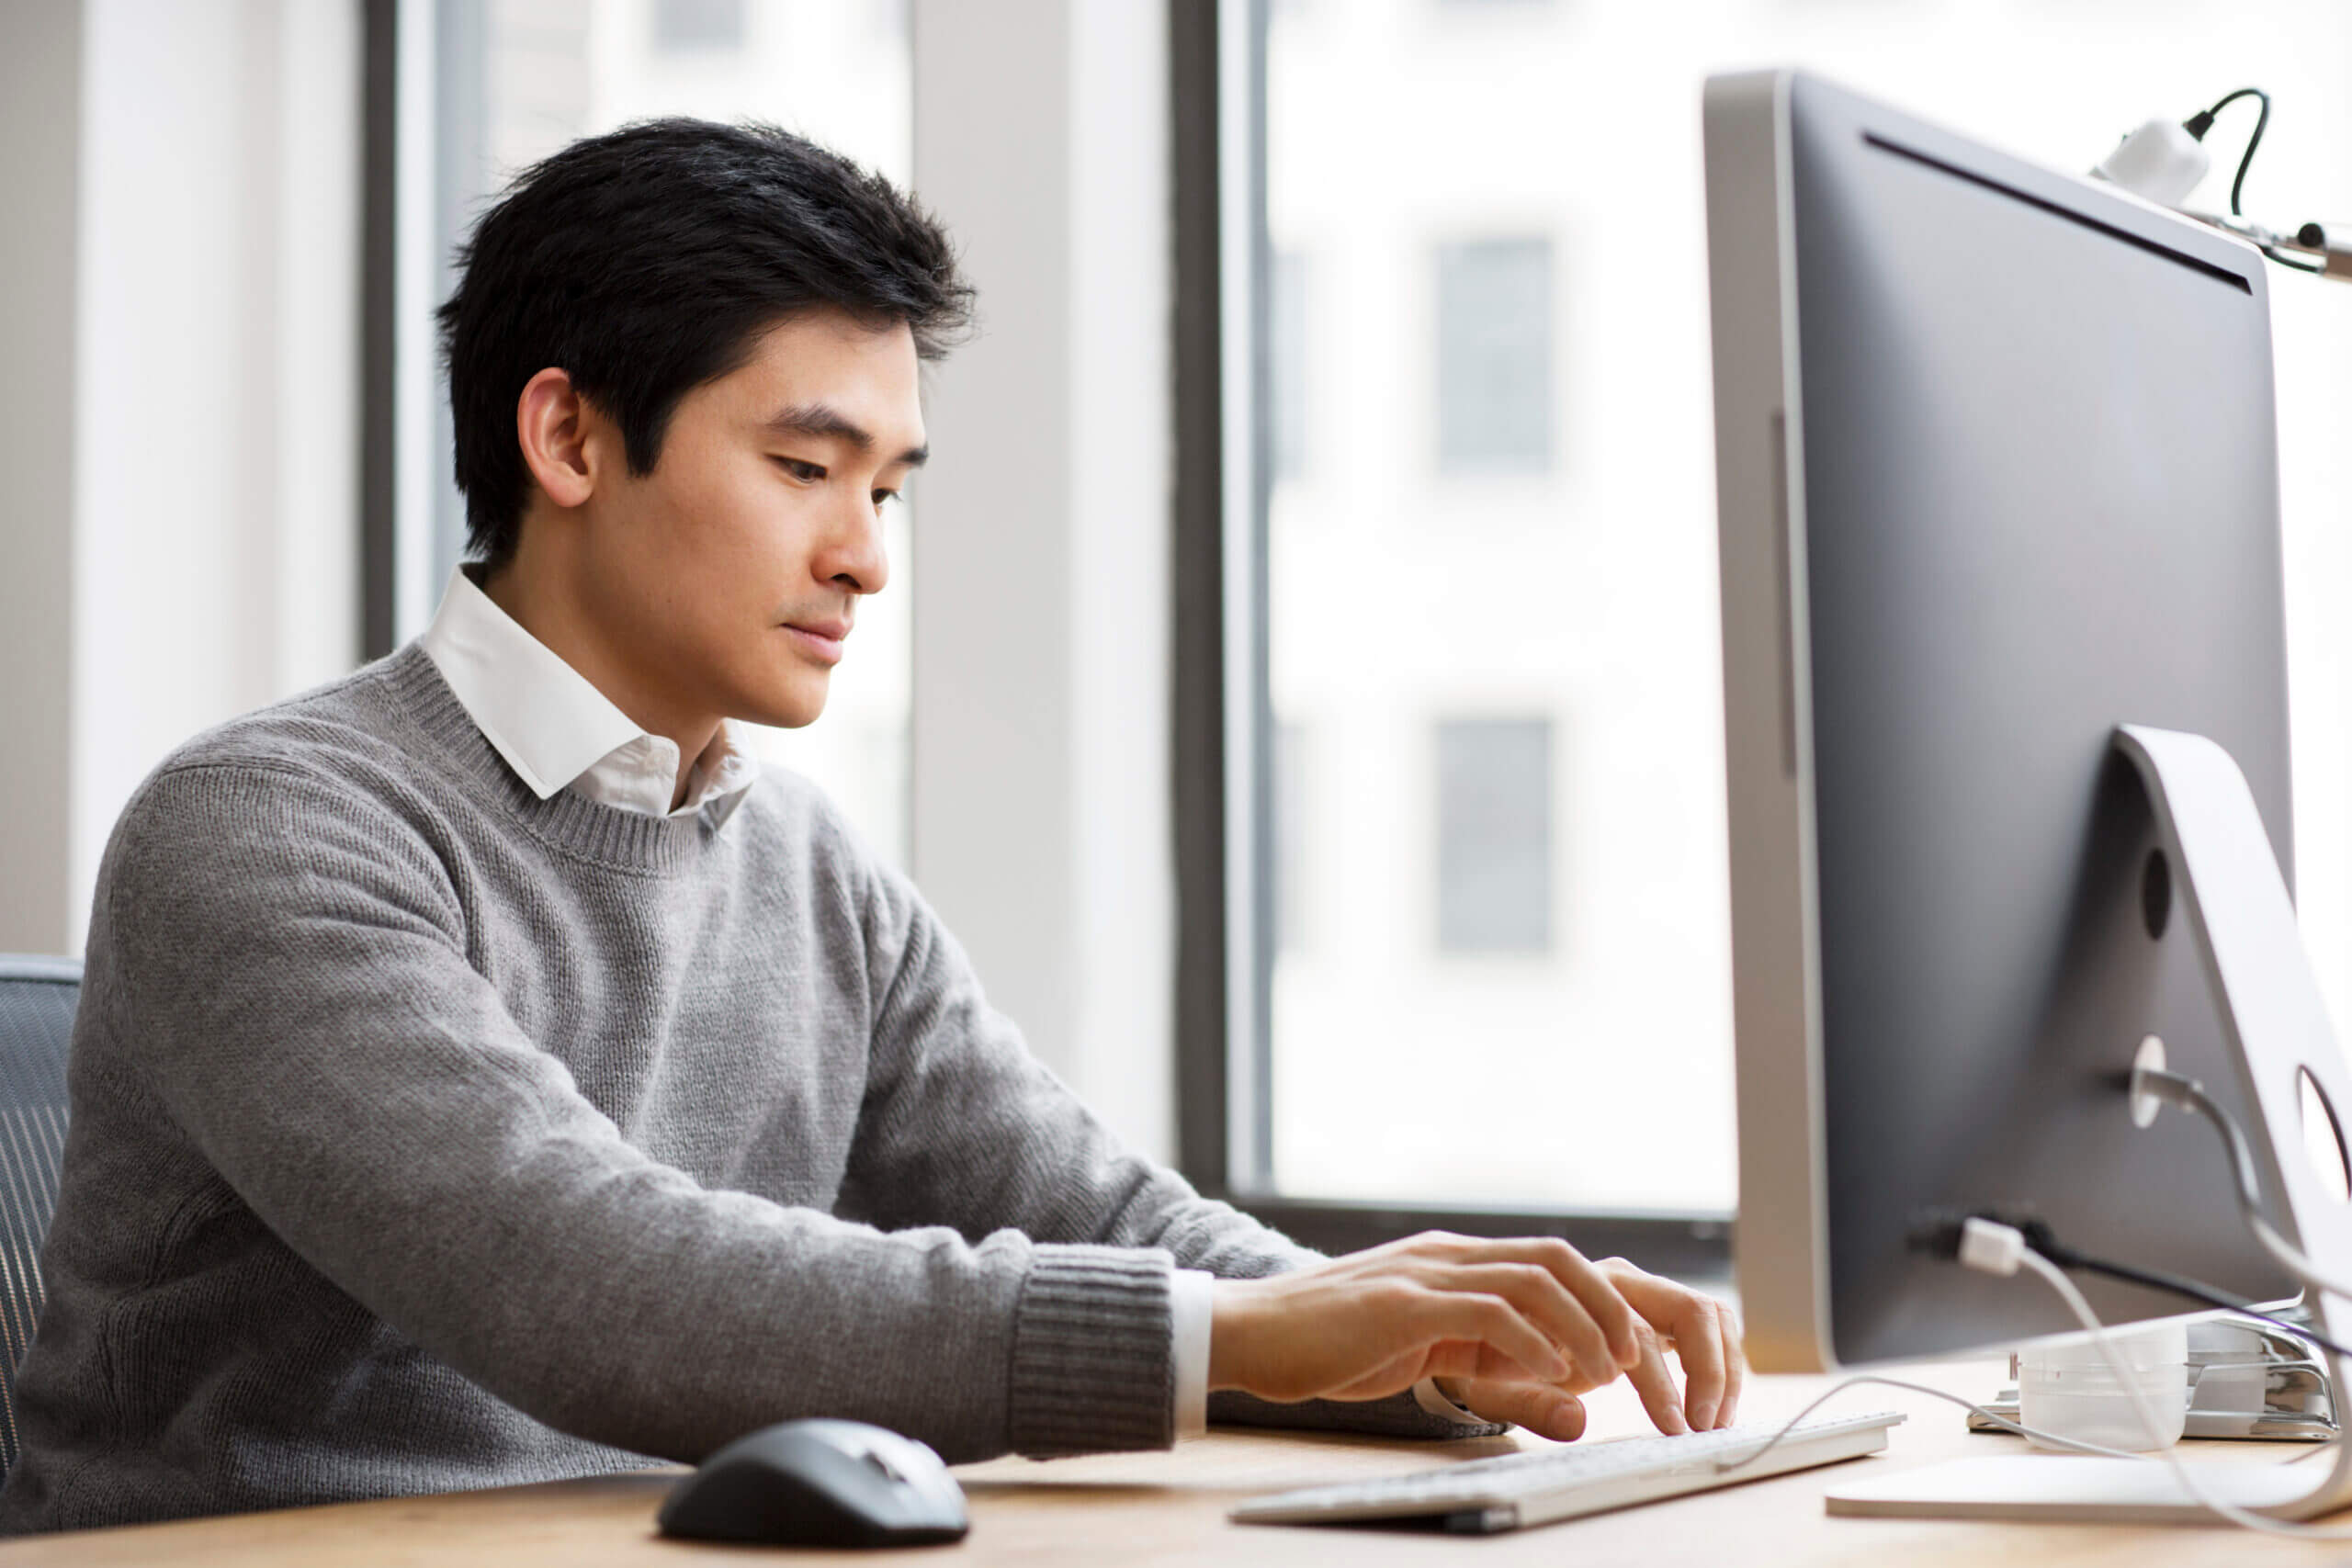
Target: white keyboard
(1483,1495)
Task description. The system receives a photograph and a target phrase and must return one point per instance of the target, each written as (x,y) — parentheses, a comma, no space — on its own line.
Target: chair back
(37,997)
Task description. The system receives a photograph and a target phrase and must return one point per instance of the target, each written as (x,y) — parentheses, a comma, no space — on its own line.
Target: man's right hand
(1375,1323)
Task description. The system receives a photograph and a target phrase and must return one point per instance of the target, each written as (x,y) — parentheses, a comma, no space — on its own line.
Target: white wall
(191,510)
(1040,771)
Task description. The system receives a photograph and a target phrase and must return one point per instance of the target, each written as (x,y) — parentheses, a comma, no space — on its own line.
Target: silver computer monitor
(1997,471)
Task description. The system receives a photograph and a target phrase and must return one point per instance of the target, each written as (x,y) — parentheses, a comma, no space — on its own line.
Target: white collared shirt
(558,731)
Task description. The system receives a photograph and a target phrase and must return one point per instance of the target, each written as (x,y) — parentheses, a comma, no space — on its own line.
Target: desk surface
(1170,1508)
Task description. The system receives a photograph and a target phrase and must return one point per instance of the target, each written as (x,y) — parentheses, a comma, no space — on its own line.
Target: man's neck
(533,601)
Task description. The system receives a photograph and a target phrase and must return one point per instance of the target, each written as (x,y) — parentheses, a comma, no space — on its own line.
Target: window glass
(1287,864)
(1490,547)
(517,79)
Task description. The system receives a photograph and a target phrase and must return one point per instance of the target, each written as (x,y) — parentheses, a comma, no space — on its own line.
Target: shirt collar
(555,728)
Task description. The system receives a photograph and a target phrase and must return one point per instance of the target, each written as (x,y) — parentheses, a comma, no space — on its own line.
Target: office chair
(37,1001)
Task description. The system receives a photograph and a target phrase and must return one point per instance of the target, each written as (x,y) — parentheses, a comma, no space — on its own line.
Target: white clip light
(2161,160)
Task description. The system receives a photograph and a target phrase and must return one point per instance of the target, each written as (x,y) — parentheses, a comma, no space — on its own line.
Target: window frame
(411,518)
(378,267)
(1220,707)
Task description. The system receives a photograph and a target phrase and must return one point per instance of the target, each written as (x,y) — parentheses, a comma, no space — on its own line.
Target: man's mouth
(820,640)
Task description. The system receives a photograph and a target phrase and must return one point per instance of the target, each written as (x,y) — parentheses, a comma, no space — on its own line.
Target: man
(486,1073)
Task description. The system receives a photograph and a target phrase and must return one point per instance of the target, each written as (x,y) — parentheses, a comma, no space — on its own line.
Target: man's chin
(795,708)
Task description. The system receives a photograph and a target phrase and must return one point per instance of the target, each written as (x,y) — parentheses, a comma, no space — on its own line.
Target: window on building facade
(698,24)
(1494,835)
(1494,356)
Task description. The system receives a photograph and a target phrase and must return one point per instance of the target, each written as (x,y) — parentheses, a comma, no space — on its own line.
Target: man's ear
(548,424)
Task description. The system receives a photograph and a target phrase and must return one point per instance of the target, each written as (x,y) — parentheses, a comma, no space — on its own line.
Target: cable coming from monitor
(2173,1089)
(1939,1236)
(2002,1250)
(1997,1248)
(1993,1246)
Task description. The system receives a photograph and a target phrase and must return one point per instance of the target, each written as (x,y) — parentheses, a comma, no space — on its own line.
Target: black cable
(1938,1233)
(2181,1285)
(2199,123)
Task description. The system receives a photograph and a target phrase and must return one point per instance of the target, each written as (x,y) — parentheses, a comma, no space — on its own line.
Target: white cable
(1994,1253)
(2038,1435)
(2291,1258)
(2156,1084)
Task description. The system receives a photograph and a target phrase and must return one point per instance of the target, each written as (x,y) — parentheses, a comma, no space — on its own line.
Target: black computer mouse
(820,1483)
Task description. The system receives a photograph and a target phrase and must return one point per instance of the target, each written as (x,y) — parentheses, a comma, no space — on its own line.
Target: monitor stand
(2276,1029)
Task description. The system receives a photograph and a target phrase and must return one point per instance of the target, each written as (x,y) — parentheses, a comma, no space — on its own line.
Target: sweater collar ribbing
(569,819)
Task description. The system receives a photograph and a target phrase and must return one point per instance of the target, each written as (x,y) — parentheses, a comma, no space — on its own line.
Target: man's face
(734,570)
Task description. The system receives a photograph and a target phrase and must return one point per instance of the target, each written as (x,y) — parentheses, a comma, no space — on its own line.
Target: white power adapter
(2085,1393)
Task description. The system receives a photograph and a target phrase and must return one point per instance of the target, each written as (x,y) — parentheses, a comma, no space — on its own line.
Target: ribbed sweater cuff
(1094,1363)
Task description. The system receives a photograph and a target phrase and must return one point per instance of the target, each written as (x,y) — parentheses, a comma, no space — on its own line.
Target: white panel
(312,421)
(1040,771)
(163,482)
(215,509)
(992,787)
(1122,498)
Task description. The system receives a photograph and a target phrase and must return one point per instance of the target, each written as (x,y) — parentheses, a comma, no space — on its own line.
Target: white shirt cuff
(1426,1395)
(1192,1307)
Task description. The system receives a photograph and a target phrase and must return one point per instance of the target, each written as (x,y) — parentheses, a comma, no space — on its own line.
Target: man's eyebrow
(824,421)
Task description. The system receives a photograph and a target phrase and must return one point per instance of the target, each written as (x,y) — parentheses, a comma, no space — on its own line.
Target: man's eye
(806,473)
(882,495)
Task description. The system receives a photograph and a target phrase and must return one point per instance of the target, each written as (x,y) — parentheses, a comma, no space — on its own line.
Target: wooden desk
(1170,1508)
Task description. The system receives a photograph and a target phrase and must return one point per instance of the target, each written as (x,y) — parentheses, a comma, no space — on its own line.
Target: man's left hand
(1702,1333)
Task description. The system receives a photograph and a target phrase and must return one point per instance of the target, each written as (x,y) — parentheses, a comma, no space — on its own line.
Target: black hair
(649,260)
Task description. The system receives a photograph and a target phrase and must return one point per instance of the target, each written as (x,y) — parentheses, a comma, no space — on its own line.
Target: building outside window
(1484,558)
(698,24)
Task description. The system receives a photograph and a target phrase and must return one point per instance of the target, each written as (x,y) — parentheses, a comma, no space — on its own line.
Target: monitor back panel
(2038,463)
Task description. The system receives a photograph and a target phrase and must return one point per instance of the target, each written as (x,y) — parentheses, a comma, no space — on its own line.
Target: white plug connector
(2145,1101)
(1990,1247)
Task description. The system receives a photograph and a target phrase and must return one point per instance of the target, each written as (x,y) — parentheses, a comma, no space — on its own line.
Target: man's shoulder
(791,809)
(314,782)
(791,817)
(338,737)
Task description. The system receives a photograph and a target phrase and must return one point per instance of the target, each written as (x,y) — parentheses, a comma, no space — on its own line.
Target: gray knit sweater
(428,1135)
